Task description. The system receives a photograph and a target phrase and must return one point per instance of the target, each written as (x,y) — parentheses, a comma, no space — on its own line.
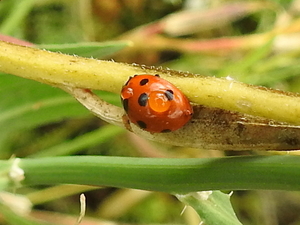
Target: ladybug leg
(126,122)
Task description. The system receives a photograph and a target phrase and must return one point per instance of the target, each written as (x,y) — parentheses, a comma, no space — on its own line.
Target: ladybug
(154,104)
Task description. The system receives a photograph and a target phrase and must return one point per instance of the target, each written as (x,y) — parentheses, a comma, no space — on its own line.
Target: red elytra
(154,104)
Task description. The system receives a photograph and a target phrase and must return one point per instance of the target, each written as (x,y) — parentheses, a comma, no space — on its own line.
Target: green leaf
(88,49)
(84,141)
(213,207)
(19,11)
(26,104)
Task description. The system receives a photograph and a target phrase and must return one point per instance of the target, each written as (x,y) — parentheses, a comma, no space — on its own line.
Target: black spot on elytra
(169,94)
(125,104)
(166,131)
(141,124)
(143,99)
(144,81)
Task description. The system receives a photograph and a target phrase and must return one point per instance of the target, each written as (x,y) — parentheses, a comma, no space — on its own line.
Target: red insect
(154,104)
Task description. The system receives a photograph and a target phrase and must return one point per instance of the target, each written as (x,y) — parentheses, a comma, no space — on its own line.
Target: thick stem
(59,69)
(167,175)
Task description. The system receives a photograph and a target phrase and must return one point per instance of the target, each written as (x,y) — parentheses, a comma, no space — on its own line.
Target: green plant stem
(13,218)
(59,70)
(89,139)
(17,15)
(56,192)
(167,175)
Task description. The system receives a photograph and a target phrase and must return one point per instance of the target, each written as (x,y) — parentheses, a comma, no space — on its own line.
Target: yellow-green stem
(59,69)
